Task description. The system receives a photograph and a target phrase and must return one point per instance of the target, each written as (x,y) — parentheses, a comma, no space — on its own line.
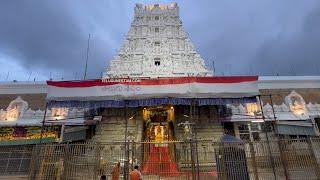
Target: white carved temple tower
(156,46)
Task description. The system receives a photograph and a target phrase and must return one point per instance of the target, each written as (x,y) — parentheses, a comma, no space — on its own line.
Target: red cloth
(160,162)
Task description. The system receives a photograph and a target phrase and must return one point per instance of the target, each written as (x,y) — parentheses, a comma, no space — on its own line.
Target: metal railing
(292,159)
(15,160)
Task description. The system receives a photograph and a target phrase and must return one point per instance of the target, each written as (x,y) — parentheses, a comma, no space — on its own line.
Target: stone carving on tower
(157,46)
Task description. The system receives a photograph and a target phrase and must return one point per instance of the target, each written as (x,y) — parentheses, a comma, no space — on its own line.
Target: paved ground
(13,177)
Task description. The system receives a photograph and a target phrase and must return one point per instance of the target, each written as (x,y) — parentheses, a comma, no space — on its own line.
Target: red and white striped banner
(182,87)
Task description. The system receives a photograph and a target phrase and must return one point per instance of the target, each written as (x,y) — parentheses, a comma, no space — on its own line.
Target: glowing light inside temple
(298,108)
(59,113)
(299,112)
(252,108)
(11,114)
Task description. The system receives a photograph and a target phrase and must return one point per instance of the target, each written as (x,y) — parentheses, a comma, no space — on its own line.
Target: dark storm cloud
(247,37)
(257,37)
(295,56)
(52,35)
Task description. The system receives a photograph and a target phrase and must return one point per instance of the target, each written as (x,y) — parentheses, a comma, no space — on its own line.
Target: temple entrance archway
(158,124)
(158,152)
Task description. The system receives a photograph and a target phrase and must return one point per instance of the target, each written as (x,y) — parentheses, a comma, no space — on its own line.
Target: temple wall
(206,117)
(112,126)
(35,101)
(309,95)
(206,121)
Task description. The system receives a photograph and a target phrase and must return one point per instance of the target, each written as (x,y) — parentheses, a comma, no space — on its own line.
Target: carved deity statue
(296,104)
(159,134)
(16,108)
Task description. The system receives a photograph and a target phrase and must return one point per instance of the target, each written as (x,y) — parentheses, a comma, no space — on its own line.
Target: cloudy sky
(47,39)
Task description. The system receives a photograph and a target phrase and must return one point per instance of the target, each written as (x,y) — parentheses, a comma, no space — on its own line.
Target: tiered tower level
(157,46)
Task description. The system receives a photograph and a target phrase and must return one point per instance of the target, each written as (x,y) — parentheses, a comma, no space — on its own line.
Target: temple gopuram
(158,90)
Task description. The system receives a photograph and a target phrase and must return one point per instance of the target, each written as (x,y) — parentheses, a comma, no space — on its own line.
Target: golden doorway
(158,123)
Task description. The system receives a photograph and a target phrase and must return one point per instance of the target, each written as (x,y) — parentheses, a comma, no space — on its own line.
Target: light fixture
(257,121)
(171,107)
